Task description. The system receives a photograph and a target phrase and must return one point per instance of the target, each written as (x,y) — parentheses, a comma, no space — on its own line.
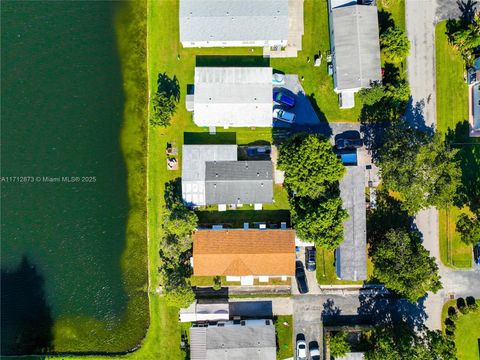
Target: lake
(64,199)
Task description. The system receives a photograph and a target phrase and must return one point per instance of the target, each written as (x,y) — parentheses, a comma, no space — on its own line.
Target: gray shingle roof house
(351,255)
(212,175)
(233,96)
(238,182)
(246,339)
(194,158)
(222,23)
(354,41)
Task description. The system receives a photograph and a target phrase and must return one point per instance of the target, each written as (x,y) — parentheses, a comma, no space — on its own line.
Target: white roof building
(233,96)
(194,158)
(243,339)
(226,23)
(355,45)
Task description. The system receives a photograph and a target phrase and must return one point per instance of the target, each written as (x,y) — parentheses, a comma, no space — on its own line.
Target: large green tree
(319,220)
(469,228)
(395,44)
(310,165)
(404,265)
(464,35)
(421,168)
(401,342)
(338,344)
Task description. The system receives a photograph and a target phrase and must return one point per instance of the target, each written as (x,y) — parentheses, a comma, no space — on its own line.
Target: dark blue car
(283,99)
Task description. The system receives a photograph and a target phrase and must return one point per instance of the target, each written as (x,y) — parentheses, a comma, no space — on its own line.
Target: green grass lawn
(453,251)
(284,335)
(452,91)
(326,274)
(452,117)
(467,333)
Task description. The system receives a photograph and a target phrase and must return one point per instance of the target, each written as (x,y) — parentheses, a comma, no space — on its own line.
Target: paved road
(420,17)
(459,283)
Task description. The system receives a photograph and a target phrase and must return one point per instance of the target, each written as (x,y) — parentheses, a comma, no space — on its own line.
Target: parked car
(283,115)
(310,259)
(278,79)
(314,351)
(476,254)
(301,278)
(301,350)
(342,143)
(283,99)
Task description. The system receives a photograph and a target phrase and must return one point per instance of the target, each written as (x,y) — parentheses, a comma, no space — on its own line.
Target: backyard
(467,332)
(452,115)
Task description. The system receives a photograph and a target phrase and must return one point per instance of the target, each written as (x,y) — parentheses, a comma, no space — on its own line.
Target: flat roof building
(194,159)
(212,175)
(233,97)
(351,255)
(245,339)
(355,46)
(227,23)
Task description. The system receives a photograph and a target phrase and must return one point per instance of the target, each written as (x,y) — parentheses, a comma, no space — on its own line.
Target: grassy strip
(327,275)
(467,332)
(452,115)
(452,91)
(284,334)
(453,252)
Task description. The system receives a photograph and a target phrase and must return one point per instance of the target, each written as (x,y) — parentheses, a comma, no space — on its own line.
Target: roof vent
(258,174)
(216,174)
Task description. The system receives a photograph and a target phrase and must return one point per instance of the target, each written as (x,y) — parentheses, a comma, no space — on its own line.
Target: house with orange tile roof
(244,254)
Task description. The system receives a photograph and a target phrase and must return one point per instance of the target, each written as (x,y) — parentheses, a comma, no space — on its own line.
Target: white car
(314,353)
(278,79)
(283,115)
(301,350)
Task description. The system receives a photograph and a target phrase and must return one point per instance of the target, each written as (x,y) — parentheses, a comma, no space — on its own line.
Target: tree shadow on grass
(169,86)
(204,138)
(385,21)
(26,317)
(469,158)
(235,219)
(231,61)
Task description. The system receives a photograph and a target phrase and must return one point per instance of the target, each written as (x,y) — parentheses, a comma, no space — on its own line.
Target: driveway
(305,116)
(313,287)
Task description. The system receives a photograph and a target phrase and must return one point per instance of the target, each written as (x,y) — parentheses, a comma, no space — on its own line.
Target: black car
(301,278)
(310,259)
(476,254)
(342,143)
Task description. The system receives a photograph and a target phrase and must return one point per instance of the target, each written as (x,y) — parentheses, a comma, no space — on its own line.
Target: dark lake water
(61,114)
